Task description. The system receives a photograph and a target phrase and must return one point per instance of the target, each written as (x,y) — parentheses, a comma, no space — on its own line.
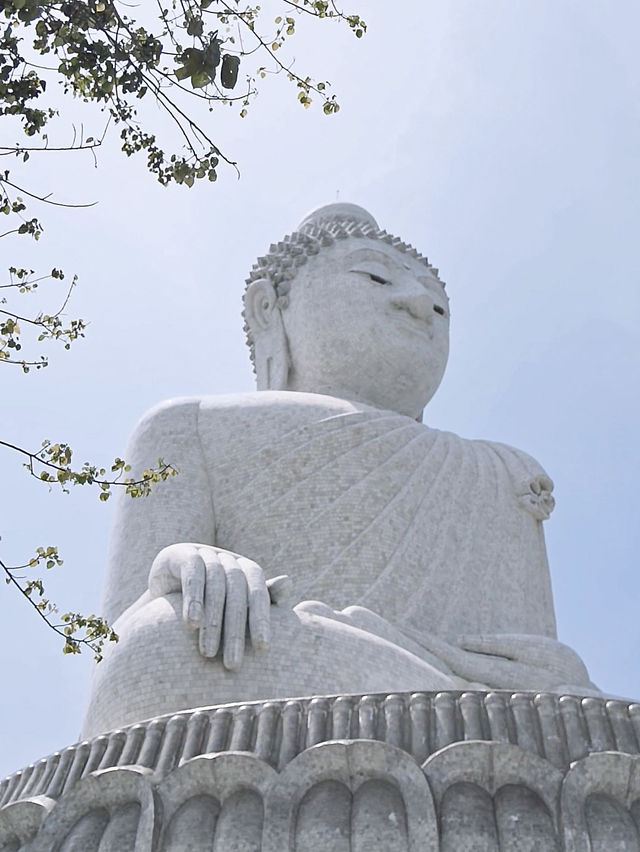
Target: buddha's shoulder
(256,410)
(275,404)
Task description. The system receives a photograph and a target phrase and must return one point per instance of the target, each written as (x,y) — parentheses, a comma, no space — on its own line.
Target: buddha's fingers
(500,645)
(215,591)
(259,604)
(501,673)
(165,576)
(531,650)
(235,613)
(280,590)
(193,572)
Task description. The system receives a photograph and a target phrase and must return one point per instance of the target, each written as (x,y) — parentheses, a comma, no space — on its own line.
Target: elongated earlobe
(271,347)
(259,303)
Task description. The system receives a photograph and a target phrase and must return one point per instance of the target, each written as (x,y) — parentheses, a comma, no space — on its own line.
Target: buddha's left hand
(504,658)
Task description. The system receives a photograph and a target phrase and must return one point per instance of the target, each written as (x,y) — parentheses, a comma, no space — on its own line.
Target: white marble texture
(424,550)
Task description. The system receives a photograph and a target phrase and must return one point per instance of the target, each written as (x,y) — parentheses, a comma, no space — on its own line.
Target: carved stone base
(421,771)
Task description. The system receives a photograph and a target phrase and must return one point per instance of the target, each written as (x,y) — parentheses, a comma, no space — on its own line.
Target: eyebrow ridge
(372,255)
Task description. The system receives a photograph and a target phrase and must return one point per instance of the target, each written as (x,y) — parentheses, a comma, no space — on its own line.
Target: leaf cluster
(77,631)
(52,464)
(45,326)
(103,55)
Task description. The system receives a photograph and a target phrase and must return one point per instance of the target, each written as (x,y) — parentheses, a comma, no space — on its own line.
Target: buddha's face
(367,322)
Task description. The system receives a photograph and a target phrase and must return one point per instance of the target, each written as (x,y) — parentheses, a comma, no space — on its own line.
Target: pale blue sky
(499,138)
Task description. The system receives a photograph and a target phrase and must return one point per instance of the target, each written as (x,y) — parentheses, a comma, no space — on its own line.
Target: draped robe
(433,535)
(359,506)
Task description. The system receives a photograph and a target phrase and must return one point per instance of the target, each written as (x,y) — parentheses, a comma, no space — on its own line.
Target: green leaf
(195,27)
(199,80)
(229,70)
(181,73)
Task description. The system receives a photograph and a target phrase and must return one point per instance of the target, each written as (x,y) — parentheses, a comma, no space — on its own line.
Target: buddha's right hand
(221,592)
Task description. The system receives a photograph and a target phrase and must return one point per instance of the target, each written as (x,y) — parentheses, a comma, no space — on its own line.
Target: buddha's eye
(378,278)
(438,310)
(373,276)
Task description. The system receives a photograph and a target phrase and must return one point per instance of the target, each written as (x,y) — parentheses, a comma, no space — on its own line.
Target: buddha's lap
(156,666)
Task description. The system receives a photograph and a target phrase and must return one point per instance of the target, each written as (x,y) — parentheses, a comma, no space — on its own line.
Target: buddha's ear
(260,301)
(271,347)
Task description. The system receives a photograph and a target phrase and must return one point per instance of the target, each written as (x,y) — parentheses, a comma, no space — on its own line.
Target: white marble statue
(416,557)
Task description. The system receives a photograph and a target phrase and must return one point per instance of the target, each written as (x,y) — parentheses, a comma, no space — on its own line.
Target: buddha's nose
(420,306)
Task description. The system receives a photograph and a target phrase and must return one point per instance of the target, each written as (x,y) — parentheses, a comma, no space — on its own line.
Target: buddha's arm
(177,510)
(512,661)
(165,543)
(500,661)
(523,657)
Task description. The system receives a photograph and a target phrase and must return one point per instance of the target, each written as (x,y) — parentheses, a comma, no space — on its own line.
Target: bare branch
(44,198)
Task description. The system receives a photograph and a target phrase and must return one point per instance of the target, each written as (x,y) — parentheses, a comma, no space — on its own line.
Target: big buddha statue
(321,537)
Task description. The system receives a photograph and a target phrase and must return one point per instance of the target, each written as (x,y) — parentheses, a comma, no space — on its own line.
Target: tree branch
(97,630)
(44,198)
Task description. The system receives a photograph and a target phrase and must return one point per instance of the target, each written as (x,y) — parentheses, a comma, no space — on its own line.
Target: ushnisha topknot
(320,229)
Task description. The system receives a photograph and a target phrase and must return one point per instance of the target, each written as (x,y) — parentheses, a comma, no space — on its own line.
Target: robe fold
(437,535)
(370,508)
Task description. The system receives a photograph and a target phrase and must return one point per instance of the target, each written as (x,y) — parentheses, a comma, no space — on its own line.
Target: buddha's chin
(407,404)
(390,383)
(407,395)
(410,392)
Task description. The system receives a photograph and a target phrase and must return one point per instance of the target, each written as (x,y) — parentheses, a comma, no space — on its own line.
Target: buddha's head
(343,308)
